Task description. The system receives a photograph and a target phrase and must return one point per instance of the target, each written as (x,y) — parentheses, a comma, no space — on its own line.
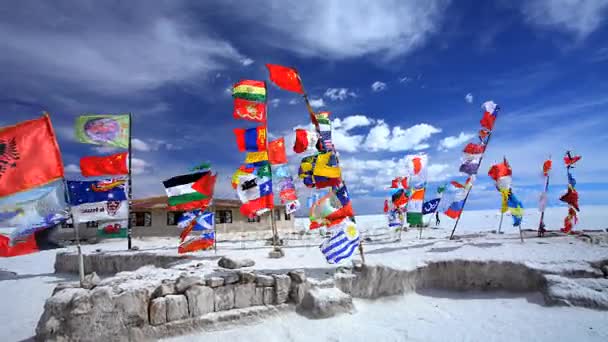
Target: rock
(158,311)
(357,265)
(133,305)
(90,281)
(258,297)
(281,285)
(298,276)
(276,254)
(184,282)
(232,264)
(63,286)
(605,270)
(244,295)
(263,280)
(177,307)
(134,248)
(200,300)
(325,303)
(297,291)
(230,278)
(344,282)
(215,281)
(269,296)
(223,297)
(166,287)
(246,277)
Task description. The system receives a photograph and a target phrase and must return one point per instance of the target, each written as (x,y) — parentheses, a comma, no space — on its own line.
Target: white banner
(101,211)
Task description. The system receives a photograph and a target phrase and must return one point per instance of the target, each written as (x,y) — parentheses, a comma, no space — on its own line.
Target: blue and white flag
(342,243)
(97,191)
(430,207)
(186,218)
(205,221)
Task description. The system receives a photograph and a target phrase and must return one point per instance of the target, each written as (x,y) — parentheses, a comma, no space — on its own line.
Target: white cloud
(580,17)
(454,141)
(317,103)
(382,138)
(404,79)
(468,98)
(331,30)
(378,86)
(351,122)
(228,91)
(293,102)
(139,166)
(140,145)
(72,168)
(105,149)
(247,61)
(274,102)
(339,93)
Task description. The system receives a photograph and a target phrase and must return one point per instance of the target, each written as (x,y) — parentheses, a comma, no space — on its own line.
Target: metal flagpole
(273,224)
(313,119)
(521,236)
(471,187)
(129,225)
(77,236)
(500,224)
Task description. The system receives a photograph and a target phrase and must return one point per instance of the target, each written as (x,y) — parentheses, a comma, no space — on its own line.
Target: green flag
(107,130)
(263,171)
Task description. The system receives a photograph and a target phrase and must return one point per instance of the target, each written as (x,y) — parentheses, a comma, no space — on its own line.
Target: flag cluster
(571,196)
(322,170)
(501,174)
(416,166)
(196,220)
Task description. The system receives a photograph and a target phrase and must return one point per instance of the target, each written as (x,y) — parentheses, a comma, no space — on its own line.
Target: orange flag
(276,151)
(29,156)
(285,78)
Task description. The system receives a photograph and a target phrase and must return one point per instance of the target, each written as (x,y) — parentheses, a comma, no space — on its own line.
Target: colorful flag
(292,207)
(516,209)
(430,207)
(29,156)
(112,229)
(250,90)
(206,184)
(107,130)
(415,164)
(101,211)
(455,209)
(249,110)
(414,206)
(281,171)
(251,139)
(547,167)
(385,206)
(258,206)
(571,198)
(241,171)
(483,136)
(38,241)
(304,140)
(97,191)
(326,165)
(342,243)
(180,189)
(276,152)
(569,160)
(202,242)
(395,183)
(469,167)
(500,170)
(115,164)
(474,148)
(285,78)
(325,141)
(489,116)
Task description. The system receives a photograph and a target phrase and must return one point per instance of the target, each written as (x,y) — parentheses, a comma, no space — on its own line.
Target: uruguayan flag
(342,244)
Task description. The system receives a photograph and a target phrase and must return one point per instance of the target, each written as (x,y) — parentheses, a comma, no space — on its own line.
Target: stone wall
(112,263)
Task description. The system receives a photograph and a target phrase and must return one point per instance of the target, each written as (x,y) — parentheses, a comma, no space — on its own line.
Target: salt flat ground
(429,315)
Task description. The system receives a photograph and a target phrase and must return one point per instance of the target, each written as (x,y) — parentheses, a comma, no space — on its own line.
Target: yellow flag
(505,197)
(322,169)
(254,157)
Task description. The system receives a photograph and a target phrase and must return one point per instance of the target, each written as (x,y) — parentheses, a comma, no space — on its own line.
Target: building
(150,217)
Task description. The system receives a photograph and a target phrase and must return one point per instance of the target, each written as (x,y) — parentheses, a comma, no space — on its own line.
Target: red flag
(500,170)
(205,185)
(404,182)
(569,160)
(457,185)
(547,167)
(276,152)
(340,214)
(474,148)
(29,156)
(395,183)
(386,206)
(195,244)
(114,164)
(304,139)
(202,205)
(285,78)
(23,247)
(487,121)
(251,139)
(250,208)
(288,195)
(249,110)
(571,197)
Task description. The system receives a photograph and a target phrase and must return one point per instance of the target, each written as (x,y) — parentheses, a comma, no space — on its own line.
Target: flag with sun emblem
(342,243)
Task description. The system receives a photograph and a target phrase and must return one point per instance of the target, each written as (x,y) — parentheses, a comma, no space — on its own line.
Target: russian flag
(455,209)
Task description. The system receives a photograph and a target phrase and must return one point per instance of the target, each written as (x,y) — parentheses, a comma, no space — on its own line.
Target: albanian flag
(31,244)
(285,78)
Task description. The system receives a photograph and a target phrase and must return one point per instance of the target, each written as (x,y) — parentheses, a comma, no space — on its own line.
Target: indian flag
(250,90)
(179,188)
(414,207)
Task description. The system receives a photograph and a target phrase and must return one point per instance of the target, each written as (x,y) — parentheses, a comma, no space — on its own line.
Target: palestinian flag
(250,90)
(180,189)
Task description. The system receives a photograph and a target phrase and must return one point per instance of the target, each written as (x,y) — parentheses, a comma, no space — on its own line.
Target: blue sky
(398,77)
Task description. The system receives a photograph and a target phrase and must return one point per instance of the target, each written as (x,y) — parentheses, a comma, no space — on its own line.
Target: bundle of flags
(32,193)
(501,173)
(571,196)
(471,159)
(287,190)
(196,220)
(542,203)
(417,174)
(322,170)
(253,179)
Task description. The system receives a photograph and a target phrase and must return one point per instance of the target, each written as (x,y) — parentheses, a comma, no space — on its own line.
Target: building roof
(160,202)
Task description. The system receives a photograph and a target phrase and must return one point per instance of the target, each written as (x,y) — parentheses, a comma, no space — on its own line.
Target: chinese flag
(115,164)
(29,156)
(285,78)
(276,152)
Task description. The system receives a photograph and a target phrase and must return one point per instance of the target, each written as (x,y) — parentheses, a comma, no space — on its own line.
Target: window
(287,216)
(277,215)
(253,219)
(173,217)
(141,219)
(92,224)
(67,224)
(223,216)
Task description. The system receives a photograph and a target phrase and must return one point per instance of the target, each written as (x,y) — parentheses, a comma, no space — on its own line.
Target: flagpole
(77,235)
(541,224)
(471,187)
(500,224)
(129,227)
(273,223)
(313,119)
